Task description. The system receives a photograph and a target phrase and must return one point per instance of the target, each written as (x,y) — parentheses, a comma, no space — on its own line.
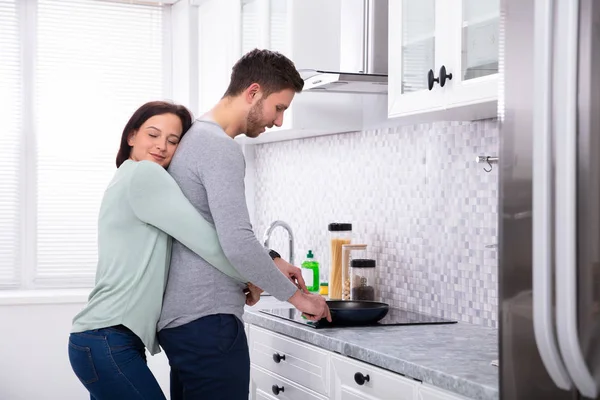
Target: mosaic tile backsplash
(414,195)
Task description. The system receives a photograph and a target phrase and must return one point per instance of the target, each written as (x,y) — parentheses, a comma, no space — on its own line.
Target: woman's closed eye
(156,136)
(173,139)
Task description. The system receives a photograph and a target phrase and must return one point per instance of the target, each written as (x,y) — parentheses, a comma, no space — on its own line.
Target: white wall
(34,363)
(397,185)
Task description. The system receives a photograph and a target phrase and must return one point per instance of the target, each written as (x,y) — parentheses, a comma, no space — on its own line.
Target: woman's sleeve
(156,199)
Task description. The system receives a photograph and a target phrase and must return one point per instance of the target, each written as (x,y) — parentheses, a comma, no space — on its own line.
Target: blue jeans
(111,364)
(209,359)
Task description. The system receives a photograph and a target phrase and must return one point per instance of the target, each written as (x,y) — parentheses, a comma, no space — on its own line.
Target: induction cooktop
(395,316)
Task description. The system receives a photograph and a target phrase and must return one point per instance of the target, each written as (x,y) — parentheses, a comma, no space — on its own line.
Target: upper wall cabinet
(306,31)
(443,59)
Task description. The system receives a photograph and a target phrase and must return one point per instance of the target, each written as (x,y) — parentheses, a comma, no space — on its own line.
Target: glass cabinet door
(418,44)
(479,44)
(474,26)
(416,52)
(443,58)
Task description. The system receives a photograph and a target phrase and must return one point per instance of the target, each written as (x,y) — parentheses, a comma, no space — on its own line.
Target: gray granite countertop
(455,357)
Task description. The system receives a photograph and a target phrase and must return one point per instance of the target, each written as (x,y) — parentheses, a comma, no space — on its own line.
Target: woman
(142,208)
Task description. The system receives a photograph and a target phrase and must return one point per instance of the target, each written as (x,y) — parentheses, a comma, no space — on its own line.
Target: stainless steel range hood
(344,82)
(363,52)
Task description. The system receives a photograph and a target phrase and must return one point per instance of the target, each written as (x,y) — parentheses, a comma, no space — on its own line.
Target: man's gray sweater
(209,167)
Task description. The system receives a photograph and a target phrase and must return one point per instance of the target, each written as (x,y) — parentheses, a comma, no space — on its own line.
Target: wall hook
(488,170)
(487,159)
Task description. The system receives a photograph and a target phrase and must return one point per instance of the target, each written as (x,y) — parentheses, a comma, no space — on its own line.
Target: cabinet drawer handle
(276,389)
(278,357)
(360,379)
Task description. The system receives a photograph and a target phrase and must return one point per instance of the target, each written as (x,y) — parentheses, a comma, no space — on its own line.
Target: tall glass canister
(339,235)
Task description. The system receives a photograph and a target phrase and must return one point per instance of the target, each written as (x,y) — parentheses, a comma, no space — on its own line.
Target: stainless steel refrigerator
(549,208)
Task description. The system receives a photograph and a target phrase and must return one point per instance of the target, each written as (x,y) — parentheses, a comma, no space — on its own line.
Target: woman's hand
(252,294)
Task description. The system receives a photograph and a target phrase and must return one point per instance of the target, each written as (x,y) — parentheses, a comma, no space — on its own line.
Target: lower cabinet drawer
(433,393)
(299,362)
(357,380)
(265,385)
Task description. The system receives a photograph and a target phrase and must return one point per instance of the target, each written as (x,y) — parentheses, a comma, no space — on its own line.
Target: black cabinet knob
(444,76)
(276,389)
(278,357)
(431,79)
(360,379)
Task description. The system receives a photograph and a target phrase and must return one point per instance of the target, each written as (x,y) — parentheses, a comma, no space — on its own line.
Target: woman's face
(156,140)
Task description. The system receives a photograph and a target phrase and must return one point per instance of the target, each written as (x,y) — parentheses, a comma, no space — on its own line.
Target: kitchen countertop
(455,357)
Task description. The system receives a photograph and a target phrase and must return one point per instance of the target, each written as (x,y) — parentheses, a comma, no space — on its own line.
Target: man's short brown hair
(273,71)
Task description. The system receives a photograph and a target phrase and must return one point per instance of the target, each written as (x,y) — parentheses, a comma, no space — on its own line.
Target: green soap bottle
(310,273)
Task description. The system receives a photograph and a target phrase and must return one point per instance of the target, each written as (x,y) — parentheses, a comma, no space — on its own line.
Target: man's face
(268,112)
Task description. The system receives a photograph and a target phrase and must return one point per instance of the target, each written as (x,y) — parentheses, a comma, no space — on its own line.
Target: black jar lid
(362,263)
(337,227)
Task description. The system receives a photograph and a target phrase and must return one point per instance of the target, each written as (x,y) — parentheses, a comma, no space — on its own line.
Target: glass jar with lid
(363,279)
(339,235)
(350,252)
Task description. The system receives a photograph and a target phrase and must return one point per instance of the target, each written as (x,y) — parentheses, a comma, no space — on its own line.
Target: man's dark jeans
(209,359)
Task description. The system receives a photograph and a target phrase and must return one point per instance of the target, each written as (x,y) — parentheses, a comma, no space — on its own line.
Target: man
(200,328)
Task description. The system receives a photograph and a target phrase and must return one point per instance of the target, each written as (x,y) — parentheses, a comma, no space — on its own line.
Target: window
(11,112)
(250,25)
(92,64)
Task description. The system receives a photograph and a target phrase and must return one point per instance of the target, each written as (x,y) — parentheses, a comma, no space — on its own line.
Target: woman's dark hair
(146,112)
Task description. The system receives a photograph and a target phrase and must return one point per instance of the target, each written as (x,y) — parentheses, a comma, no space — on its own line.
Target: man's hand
(292,272)
(252,294)
(313,306)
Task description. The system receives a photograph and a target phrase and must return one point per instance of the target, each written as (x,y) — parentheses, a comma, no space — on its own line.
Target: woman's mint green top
(141,210)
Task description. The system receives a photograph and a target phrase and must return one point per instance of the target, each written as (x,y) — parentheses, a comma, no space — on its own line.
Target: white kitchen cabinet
(415,47)
(266,385)
(474,31)
(428,37)
(306,31)
(291,359)
(432,393)
(355,380)
(286,368)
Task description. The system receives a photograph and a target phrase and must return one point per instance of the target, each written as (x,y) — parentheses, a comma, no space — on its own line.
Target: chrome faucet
(288,228)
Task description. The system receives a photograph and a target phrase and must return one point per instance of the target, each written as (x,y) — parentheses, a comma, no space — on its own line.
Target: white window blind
(96,63)
(11,113)
(277,21)
(250,26)
(279,32)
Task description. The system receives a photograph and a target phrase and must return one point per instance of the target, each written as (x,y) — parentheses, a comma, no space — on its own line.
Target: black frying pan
(356,312)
